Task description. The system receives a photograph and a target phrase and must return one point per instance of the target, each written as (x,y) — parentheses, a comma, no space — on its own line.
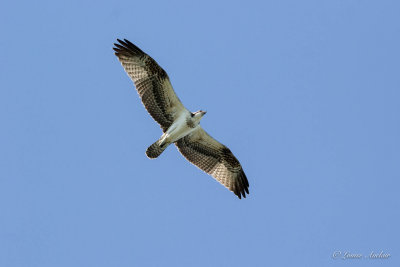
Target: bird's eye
(192,114)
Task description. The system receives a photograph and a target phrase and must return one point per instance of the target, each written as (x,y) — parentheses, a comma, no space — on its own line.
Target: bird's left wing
(152,83)
(215,159)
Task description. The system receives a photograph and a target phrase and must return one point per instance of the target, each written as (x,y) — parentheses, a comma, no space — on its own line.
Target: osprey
(179,125)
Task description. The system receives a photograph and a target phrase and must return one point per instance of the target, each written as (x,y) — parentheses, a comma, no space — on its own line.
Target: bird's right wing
(215,159)
(152,83)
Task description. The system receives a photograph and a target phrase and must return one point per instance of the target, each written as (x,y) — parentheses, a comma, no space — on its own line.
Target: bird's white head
(198,115)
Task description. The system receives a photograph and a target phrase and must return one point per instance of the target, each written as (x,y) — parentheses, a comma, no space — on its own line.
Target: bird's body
(183,125)
(179,125)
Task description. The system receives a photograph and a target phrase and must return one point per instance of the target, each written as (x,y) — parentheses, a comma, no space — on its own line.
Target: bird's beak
(203,113)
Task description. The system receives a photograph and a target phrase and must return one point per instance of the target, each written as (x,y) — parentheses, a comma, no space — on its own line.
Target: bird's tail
(156,149)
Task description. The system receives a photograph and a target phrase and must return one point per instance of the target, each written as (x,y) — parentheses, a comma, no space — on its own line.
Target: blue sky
(305,93)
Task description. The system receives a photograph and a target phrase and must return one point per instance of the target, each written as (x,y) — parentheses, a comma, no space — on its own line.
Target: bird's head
(198,115)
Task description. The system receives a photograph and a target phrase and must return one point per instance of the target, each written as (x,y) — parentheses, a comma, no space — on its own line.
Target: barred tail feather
(155,150)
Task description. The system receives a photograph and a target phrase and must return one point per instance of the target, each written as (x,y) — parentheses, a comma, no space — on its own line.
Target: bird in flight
(179,125)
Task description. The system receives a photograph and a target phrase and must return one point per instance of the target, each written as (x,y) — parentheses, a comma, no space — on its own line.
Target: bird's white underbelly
(177,130)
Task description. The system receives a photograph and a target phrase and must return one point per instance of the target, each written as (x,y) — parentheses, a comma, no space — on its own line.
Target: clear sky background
(305,93)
